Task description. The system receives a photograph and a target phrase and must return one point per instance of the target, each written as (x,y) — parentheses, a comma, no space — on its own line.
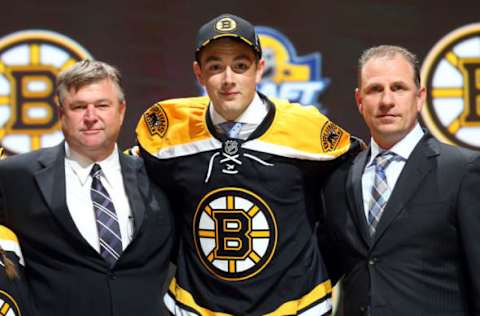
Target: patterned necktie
(106,218)
(232,129)
(380,190)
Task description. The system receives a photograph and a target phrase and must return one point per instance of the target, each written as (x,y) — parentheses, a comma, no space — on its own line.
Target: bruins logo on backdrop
(8,306)
(330,136)
(288,76)
(451,73)
(235,233)
(156,120)
(29,63)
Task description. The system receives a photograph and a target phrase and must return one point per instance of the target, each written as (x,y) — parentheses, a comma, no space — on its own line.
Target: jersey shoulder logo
(156,120)
(330,136)
(451,73)
(29,63)
(235,233)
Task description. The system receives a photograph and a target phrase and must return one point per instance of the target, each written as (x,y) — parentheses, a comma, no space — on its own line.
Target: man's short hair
(389,51)
(86,72)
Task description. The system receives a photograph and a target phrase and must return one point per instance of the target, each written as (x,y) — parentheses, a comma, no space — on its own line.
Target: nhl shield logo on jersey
(330,136)
(29,63)
(156,120)
(230,146)
(235,233)
(451,74)
(8,306)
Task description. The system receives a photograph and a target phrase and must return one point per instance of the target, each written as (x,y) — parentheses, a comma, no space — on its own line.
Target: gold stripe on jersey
(301,132)
(185,298)
(177,127)
(319,293)
(308,302)
(9,242)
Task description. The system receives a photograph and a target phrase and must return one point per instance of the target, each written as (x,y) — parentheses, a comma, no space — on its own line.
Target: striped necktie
(106,218)
(380,189)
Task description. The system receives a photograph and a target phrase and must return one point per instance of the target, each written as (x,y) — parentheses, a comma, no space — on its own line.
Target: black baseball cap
(228,25)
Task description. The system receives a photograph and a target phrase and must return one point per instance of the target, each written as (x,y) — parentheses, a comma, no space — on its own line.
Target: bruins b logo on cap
(226,25)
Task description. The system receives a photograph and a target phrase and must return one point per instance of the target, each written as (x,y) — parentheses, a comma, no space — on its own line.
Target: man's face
(91,119)
(227,68)
(388,99)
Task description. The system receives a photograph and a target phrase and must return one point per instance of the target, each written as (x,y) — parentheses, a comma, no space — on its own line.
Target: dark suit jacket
(67,276)
(425,256)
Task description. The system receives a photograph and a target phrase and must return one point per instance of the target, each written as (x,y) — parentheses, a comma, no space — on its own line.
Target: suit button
(372,261)
(364,311)
(112,276)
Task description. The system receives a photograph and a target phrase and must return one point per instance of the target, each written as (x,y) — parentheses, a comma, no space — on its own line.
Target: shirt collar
(403,148)
(254,113)
(82,165)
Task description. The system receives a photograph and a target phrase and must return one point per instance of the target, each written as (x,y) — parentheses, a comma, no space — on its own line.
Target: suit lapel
(131,174)
(50,179)
(412,175)
(354,194)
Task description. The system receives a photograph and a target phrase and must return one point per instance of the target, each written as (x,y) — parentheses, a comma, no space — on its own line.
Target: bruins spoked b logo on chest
(235,233)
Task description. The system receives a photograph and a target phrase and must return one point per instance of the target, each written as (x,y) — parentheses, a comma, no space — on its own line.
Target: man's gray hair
(389,51)
(86,72)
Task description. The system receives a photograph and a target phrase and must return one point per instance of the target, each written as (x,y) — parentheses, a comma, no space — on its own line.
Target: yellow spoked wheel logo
(451,73)
(235,233)
(8,306)
(29,63)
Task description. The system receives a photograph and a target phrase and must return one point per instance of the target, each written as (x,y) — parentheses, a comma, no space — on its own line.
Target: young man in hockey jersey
(242,173)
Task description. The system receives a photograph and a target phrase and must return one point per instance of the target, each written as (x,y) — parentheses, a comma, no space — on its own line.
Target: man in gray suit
(96,234)
(403,217)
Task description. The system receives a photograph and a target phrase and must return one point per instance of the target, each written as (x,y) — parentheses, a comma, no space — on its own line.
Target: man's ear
(358,100)
(122,108)
(60,110)
(260,69)
(421,95)
(197,70)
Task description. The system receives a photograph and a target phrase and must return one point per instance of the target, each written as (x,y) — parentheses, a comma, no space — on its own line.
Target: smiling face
(229,71)
(91,118)
(389,99)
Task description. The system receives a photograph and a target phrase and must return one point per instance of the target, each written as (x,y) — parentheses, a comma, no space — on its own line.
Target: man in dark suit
(95,233)
(402,218)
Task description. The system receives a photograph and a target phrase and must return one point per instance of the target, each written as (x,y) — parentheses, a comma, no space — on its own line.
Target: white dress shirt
(251,117)
(78,183)
(403,149)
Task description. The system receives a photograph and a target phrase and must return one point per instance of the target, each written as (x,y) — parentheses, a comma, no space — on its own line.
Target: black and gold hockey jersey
(14,300)
(246,209)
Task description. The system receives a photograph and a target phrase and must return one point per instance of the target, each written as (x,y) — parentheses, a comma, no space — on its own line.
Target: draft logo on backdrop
(29,63)
(451,73)
(288,76)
